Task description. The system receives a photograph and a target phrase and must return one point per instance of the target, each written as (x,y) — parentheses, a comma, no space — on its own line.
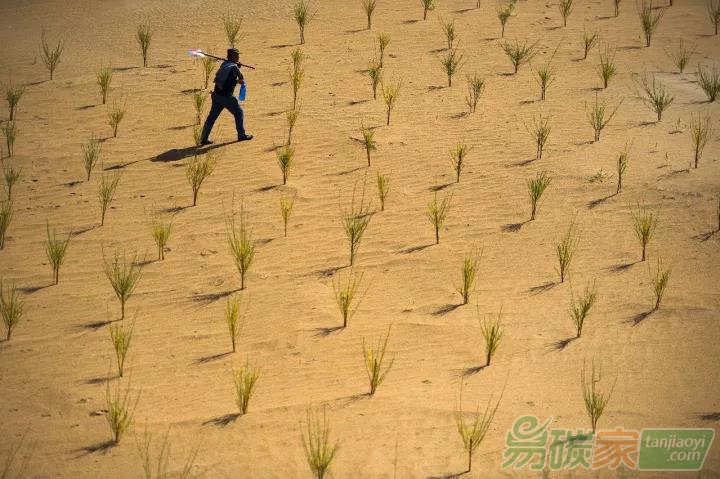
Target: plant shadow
(208,298)
(223,421)
(354,398)
(414,249)
(541,288)
(120,166)
(640,317)
(95,325)
(462,114)
(705,236)
(212,357)
(101,447)
(33,289)
(435,87)
(561,344)
(522,162)
(410,22)
(79,232)
(709,416)
(467,372)
(328,272)
(435,188)
(99,380)
(445,309)
(597,202)
(513,227)
(356,102)
(325,332)
(620,267)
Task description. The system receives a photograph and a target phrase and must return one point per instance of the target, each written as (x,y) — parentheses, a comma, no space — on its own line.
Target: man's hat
(233,51)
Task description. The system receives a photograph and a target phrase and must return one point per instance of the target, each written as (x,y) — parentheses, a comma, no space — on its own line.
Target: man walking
(226,79)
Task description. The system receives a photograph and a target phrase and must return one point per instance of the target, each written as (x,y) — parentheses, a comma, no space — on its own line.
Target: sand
(55,370)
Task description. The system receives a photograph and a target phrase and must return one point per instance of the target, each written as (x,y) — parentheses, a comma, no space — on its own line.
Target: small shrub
(589,40)
(595,401)
(199,98)
(622,163)
(104,79)
(660,279)
(121,338)
(6,214)
(297,75)
(374,71)
(51,55)
(124,275)
(143,35)
(368,141)
(9,129)
(653,94)
(106,192)
(197,136)
(390,95)
(644,222)
(565,7)
(649,18)
(565,250)
(286,160)
(476,86)
(545,76)
(11,308)
(383,185)
(536,188)
(449,32)
(428,5)
(55,250)
(540,133)
(11,175)
(519,53)
(468,275)
(709,81)
(369,8)
(346,295)
(383,42)
(208,65)
(91,154)
(234,319)
(681,56)
(245,380)
(713,9)
(291,116)
(437,212)
(13,94)
(286,209)
(374,363)
(197,170)
(492,332)
(457,158)
(241,245)
(302,15)
(580,307)
(700,131)
(116,113)
(319,451)
(232,22)
(473,433)
(607,69)
(120,411)
(599,116)
(355,220)
(451,62)
(504,12)
(161,229)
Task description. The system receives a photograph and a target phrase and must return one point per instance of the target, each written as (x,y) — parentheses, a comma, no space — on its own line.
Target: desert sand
(55,370)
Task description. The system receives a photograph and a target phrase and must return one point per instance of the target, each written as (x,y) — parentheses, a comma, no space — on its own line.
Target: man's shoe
(245,138)
(206,142)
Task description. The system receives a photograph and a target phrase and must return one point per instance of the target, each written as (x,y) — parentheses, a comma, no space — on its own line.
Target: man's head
(233,55)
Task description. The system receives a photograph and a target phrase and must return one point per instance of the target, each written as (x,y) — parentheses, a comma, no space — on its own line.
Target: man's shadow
(177,154)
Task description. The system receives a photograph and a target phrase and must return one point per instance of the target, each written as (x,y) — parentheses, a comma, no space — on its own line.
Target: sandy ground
(54,371)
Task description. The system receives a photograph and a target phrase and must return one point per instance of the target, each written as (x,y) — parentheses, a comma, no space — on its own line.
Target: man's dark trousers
(219,103)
